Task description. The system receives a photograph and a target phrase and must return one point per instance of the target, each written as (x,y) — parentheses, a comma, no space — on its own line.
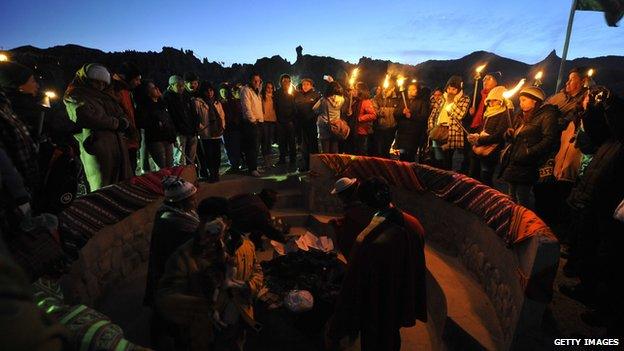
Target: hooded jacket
(328,110)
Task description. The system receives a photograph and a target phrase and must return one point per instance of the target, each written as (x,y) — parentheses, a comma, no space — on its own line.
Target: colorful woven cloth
(511,222)
(90,213)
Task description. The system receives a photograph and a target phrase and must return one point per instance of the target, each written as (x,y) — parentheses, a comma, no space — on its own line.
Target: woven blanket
(90,213)
(511,222)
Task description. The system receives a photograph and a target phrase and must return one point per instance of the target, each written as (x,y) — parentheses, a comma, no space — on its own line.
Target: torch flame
(291,89)
(509,93)
(449,107)
(590,72)
(353,76)
(480,68)
(539,75)
(386,82)
(50,94)
(414,80)
(3,58)
(400,81)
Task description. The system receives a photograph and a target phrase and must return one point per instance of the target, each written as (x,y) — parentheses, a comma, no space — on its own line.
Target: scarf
(477,120)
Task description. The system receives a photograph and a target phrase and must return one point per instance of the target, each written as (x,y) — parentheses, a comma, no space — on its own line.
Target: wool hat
(309,80)
(129,70)
(13,74)
(533,92)
(455,82)
(177,189)
(190,76)
(174,79)
(496,94)
(98,72)
(343,184)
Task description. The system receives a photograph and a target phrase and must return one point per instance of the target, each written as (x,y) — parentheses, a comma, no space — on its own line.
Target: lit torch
(386,82)
(509,94)
(47,96)
(352,81)
(400,82)
(3,58)
(476,86)
(354,75)
(291,89)
(538,79)
(589,81)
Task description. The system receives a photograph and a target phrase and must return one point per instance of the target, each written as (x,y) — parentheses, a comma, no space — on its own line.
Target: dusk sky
(243,31)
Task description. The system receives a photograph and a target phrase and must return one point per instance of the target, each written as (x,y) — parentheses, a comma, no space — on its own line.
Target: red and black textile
(90,213)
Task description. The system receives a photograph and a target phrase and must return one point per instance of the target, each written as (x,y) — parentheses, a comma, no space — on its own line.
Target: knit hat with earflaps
(13,74)
(496,94)
(177,189)
(533,92)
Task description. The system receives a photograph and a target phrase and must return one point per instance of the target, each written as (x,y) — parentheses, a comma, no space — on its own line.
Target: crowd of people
(562,155)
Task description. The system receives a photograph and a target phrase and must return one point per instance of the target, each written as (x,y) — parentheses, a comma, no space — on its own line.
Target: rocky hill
(57,65)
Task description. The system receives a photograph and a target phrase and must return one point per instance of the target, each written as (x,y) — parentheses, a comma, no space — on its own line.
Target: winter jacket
(285,107)
(181,111)
(328,110)
(411,132)
(157,122)
(121,91)
(533,142)
(365,117)
(495,126)
(11,183)
(103,148)
(19,145)
(386,109)
(251,105)
(211,120)
(304,103)
(456,114)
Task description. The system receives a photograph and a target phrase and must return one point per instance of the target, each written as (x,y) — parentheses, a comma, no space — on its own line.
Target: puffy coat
(533,143)
(366,115)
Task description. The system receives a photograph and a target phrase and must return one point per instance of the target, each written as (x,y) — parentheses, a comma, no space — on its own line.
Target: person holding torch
(444,126)
(532,140)
(412,123)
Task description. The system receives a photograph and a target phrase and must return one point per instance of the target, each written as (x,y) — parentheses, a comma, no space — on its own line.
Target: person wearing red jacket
(365,115)
(127,78)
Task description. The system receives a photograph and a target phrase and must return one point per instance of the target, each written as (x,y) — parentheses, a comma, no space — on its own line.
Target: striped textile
(511,222)
(90,213)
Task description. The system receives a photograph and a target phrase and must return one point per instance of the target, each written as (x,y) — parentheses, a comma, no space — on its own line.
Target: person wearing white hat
(356,215)
(103,148)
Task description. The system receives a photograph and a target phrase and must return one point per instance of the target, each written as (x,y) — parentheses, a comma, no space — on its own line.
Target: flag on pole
(613,9)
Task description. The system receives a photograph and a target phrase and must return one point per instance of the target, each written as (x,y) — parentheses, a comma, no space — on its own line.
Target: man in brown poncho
(384,287)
